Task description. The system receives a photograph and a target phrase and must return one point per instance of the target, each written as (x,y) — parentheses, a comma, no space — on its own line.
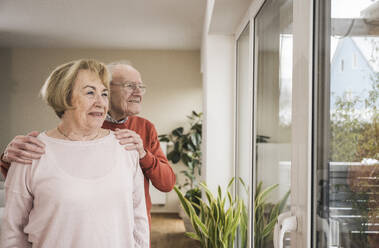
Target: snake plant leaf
(215,211)
(230,183)
(185,203)
(219,194)
(265,192)
(269,227)
(216,225)
(230,198)
(208,193)
(201,226)
(283,202)
(193,235)
(243,183)
(258,189)
(195,205)
(232,227)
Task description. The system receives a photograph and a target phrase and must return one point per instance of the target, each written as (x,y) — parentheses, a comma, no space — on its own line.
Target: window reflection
(348,207)
(273,49)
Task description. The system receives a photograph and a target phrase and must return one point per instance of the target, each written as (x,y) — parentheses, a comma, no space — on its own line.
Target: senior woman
(86,190)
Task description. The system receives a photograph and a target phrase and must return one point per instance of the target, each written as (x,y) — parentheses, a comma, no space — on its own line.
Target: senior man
(132,131)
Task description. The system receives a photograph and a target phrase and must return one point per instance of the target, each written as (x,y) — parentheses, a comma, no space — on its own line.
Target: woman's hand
(23,149)
(131,140)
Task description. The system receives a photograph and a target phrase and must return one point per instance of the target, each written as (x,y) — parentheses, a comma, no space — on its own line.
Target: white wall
(173,79)
(218,141)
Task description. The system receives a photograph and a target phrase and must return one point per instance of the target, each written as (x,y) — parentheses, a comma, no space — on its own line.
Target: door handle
(286,223)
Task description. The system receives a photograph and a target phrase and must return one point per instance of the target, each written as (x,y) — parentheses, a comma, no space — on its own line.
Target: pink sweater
(79,194)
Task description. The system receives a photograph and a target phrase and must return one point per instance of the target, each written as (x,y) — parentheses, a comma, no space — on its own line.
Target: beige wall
(173,79)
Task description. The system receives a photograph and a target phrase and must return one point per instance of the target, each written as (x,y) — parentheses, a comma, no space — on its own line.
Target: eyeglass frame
(126,85)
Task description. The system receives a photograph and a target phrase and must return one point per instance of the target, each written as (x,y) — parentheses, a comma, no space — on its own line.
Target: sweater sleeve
(141,224)
(155,164)
(4,167)
(18,204)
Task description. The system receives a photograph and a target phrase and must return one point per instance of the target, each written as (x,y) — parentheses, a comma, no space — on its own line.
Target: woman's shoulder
(130,153)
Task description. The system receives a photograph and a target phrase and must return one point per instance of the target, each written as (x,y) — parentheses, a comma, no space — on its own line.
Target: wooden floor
(167,231)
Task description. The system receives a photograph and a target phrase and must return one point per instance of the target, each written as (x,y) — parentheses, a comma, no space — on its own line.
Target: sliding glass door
(273,42)
(347,152)
(282,123)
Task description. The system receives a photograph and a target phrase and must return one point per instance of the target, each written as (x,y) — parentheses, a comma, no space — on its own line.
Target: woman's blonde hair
(57,90)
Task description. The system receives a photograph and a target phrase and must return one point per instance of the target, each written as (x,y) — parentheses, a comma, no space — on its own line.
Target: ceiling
(131,24)
(227,15)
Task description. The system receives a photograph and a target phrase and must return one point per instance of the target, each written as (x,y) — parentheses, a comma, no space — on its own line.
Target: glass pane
(273,44)
(244,133)
(348,194)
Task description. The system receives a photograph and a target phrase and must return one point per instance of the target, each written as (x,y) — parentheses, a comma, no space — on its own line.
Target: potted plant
(185,146)
(216,224)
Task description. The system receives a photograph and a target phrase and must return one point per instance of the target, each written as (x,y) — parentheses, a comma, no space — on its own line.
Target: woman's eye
(90,93)
(105,94)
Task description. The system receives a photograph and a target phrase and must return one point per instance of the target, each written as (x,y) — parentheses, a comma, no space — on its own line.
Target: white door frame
(301,166)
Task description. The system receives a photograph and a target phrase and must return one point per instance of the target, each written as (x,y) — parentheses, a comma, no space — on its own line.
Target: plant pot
(187,222)
(181,213)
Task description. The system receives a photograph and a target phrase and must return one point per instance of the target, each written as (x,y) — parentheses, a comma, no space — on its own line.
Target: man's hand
(131,140)
(23,149)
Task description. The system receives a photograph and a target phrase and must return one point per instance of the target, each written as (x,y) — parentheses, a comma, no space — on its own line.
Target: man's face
(124,101)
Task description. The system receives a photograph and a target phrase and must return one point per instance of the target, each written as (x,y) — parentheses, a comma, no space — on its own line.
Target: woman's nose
(101,101)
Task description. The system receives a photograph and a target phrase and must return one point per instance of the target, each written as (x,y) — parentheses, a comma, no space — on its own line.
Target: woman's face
(89,101)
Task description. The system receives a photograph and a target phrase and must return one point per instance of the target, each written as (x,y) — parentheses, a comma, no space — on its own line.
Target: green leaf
(215,226)
(193,139)
(230,183)
(163,138)
(178,131)
(269,227)
(199,224)
(193,236)
(185,203)
(265,192)
(173,156)
(219,192)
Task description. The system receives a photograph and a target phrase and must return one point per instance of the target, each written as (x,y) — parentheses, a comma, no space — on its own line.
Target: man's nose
(138,91)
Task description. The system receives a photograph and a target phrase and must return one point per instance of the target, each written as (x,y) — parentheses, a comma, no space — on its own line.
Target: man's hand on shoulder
(131,140)
(24,148)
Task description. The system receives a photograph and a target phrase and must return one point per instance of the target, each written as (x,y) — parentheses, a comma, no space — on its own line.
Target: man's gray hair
(111,65)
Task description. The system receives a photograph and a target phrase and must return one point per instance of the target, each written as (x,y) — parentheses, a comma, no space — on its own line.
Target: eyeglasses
(131,86)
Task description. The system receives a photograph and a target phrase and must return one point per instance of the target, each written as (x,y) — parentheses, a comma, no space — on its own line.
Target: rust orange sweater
(155,166)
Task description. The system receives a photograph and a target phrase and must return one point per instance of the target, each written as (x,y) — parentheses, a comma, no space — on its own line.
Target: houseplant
(218,220)
(185,147)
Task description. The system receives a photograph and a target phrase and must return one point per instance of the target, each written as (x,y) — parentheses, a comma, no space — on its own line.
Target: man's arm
(153,162)
(156,167)
(22,149)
